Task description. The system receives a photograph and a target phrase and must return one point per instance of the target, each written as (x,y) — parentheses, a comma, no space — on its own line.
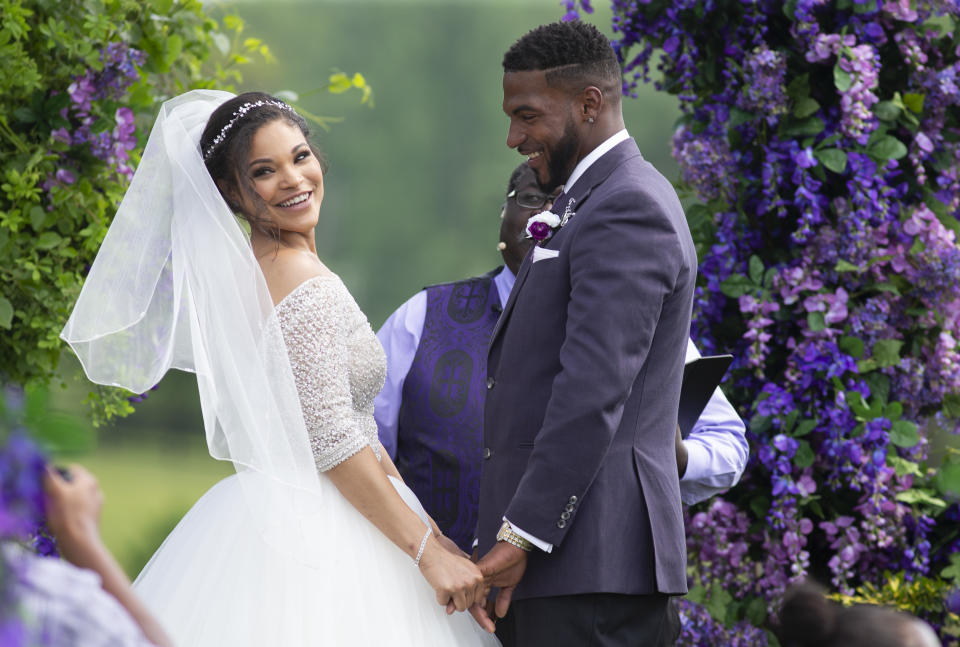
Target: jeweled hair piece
(239,114)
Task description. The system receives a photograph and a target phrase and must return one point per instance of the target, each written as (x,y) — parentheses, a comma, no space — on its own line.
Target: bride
(315,540)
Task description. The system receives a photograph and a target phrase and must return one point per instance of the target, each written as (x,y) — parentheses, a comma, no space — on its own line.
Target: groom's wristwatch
(507,534)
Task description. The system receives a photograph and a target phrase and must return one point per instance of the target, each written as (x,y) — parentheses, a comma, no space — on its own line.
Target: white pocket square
(541,253)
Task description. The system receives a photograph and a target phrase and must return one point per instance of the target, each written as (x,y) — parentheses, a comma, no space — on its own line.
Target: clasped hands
(468,584)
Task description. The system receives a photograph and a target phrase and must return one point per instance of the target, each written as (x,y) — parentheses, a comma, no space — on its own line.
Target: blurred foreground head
(809,619)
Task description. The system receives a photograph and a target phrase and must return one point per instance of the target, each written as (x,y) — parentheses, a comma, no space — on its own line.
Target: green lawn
(148,486)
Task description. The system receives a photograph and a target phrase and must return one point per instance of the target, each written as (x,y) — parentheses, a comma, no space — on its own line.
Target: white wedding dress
(218,580)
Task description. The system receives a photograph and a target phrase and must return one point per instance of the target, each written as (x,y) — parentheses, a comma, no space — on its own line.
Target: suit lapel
(592,177)
(521,277)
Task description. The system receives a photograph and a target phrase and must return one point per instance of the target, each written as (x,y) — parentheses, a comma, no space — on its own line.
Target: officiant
(430,411)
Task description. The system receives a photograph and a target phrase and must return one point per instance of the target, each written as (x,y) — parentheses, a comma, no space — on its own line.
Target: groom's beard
(562,157)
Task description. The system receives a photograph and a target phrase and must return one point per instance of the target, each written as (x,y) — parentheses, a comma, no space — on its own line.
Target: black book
(700,378)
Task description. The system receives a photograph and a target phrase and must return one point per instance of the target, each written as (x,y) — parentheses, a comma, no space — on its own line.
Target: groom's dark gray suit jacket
(584,375)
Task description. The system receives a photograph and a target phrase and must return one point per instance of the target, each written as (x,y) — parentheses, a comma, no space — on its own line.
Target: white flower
(550,221)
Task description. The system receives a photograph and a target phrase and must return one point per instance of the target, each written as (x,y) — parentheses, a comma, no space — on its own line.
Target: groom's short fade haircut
(573,55)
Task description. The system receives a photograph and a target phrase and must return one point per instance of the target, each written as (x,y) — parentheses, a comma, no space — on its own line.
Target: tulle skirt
(216,581)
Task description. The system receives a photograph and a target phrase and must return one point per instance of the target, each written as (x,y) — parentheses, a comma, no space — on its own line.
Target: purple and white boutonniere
(541,226)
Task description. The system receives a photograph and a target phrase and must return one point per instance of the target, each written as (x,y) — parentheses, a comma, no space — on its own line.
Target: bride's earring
(501,246)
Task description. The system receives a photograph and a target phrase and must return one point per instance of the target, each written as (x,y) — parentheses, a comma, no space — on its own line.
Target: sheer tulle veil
(176,285)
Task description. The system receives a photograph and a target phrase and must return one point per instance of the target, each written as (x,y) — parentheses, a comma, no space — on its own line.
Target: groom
(580,521)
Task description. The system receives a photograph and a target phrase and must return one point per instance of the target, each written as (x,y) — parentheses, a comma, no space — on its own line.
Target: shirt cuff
(698,463)
(539,543)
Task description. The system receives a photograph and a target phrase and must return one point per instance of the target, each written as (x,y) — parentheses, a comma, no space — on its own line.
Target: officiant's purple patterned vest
(440,425)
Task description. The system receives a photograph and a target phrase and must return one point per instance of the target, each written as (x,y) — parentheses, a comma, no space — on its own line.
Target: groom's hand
(503,566)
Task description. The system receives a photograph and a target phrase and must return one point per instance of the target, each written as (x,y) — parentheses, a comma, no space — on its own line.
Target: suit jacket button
(487,453)
(490,382)
(496,307)
(569,507)
(573,500)
(564,515)
(561,524)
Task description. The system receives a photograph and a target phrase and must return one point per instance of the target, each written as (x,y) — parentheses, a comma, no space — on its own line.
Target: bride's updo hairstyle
(225,146)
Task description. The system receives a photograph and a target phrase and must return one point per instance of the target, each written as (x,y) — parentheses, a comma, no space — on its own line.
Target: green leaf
(845,266)
(816,322)
(804,428)
(739,117)
(922,497)
(25,115)
(857,404)
(829,141)
(759,424)
(790,9)
(913,101)
(887,147)
(879,385)
(951,405)
(841,79)
(6,313)
(887,110)
(902,466)
(893,411)
(736,286)
(757,612)
(790,420)
(37,217)
(805,107)
(172,48)
(808,126)
(233,22)
(339,83)
(948,479)
(887,287)
(698,215)
(952,572)
(760,505)
(799,87)
(756,269)
(48,240)
(833,159)
(804,456)
(886,352)
(697,594)
(904,434)
(719,602)
(161,7)
(852,346)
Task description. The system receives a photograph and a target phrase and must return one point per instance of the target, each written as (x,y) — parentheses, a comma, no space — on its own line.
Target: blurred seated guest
(809,619)
(430,412)
(87,600)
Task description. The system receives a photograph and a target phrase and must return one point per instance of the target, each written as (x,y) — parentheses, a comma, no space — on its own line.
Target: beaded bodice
(338,365)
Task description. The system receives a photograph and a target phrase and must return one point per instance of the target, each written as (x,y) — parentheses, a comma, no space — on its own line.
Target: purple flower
(64,176)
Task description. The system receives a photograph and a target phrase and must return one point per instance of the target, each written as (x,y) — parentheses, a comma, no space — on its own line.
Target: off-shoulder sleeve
(316,324)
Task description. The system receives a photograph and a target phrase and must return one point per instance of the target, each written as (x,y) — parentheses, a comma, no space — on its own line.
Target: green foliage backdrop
(81,83)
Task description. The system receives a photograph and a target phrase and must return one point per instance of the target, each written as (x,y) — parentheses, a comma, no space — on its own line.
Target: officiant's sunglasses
(529,199)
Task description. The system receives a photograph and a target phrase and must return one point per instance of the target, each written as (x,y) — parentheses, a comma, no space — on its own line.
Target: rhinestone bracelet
(423,544)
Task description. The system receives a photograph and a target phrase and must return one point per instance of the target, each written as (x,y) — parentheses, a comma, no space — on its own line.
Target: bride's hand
(454,578)
(450,546)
